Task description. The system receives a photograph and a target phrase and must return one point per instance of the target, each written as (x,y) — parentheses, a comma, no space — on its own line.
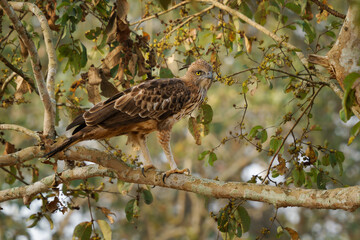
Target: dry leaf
(248,44)
(310,153)
(122,9)
(9,148)
(22,87)
(196,131)
(281,167)
(107,213)
(232,36)
(94,76)
(293,234)
(111,28)
(132,64)
(113,58)
(23,49)
(53,205)
(93,93)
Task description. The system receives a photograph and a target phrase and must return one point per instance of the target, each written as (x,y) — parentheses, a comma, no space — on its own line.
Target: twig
(186,21)
(159,14)
(290,131)
(278,39)
(6,82)
(328,9)
(49,118)
(20,129)
(19,72)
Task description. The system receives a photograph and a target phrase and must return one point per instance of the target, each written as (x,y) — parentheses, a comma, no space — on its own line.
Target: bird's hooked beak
(209,75)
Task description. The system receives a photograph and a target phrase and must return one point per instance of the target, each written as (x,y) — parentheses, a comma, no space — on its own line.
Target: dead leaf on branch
(9,148)
(94,76)
(107,213)
(22,87)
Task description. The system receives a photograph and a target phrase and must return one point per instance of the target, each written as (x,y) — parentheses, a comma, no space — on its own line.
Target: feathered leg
(164,140)
(139,140)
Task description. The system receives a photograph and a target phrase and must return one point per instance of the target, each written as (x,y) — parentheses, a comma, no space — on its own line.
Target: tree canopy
(278,128)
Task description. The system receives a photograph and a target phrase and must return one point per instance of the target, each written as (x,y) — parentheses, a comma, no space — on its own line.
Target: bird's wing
(155,99)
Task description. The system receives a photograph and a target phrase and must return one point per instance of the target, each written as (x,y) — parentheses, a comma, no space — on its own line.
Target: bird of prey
(154,105)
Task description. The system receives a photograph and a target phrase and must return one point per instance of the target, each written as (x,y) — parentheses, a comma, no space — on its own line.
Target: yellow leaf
(248,44)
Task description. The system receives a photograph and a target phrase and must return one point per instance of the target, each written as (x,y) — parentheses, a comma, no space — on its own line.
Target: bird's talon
(145,168)
(166,174)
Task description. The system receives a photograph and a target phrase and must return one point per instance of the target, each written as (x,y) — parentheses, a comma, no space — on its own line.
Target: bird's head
(199,73)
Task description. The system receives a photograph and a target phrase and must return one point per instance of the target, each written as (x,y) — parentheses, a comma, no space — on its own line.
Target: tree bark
(339,198)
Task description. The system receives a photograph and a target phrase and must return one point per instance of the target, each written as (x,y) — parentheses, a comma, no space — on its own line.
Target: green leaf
(242,216)
(294,7)
(132,210)
(333,160)
(148,197)
(166,73)
(203,154)
(298,176)
(354,132)
(244,9)
(254,130)
(105,229)
(261,13)
(49,220)
(123,187)
(222,221)
(308,29)
(83,59)
(321,181)
(10,178)
(205,115)
(275,144)
(349,96)
(82,231)
(212,158)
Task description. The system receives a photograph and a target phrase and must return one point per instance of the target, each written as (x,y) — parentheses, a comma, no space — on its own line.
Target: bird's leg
(145,152)
(137,141)
(164,140)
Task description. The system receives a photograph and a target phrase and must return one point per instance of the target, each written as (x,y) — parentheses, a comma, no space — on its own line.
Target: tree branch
(48,102)
(47,183)
(21,156)
(339,198)
(278,39)
(20,129)
(328,9)
(19,72)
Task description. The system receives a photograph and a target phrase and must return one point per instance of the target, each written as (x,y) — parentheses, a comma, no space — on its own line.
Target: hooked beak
(209,75)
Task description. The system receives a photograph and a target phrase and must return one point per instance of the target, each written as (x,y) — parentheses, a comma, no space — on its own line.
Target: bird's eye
(198,73)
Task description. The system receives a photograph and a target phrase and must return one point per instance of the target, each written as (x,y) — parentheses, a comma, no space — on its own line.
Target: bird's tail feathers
(67,143)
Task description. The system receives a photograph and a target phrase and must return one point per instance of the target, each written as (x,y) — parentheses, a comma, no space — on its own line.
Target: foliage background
(176,214)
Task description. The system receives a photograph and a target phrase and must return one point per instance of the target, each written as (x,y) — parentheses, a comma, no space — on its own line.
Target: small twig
(20,129)
(159,14)
(47,100)
(186,21)
(6,82)
(328,9)
(19,72)
(290,131)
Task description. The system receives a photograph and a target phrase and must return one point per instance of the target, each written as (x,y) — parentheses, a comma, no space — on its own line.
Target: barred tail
(64,145)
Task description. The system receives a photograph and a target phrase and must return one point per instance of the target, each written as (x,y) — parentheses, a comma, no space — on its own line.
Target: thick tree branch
(21,156)
(47,183)
(339,198)
(48,102)
(20,129)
